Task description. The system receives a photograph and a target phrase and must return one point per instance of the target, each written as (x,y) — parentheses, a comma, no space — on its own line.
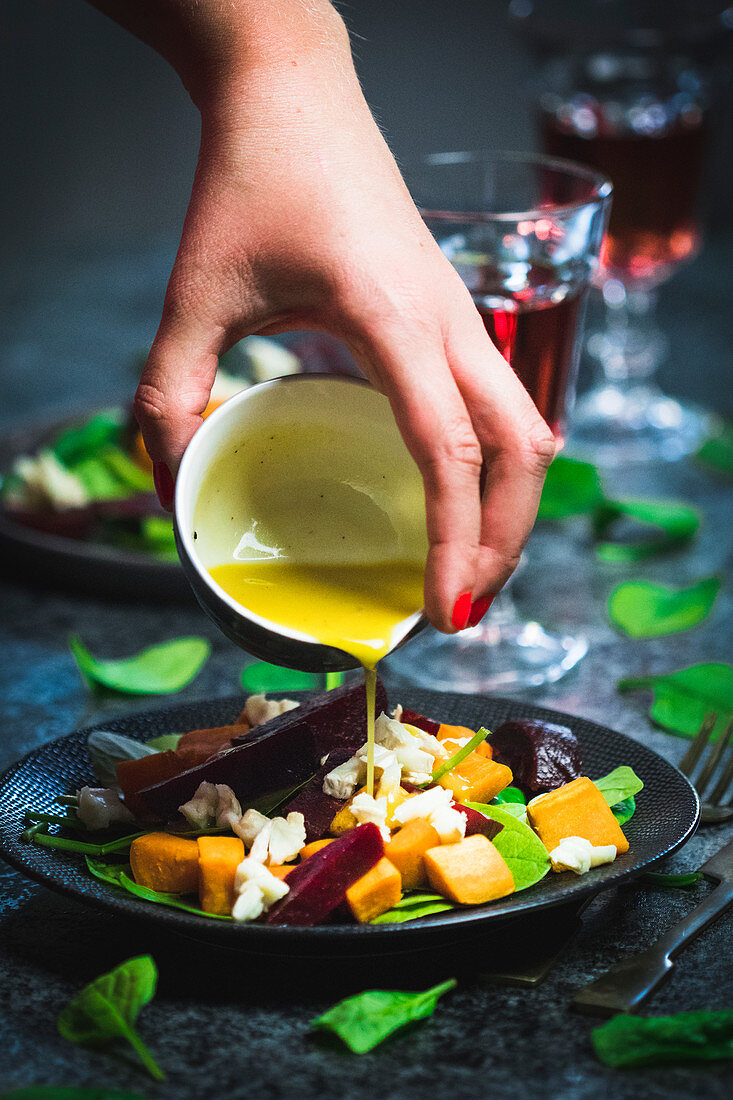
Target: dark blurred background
(100,143)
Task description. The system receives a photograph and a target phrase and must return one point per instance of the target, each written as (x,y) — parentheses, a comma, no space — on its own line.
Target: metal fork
(713,810)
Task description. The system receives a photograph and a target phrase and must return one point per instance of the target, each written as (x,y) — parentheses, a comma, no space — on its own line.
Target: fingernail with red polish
(479,609)
(461,611)
(164,484)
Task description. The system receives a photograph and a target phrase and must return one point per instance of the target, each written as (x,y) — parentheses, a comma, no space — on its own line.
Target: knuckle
(537,448)
(457,447)
(149,403)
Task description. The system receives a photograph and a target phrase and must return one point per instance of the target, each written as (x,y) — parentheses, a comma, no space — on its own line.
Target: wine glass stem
(503,615)
(631,346)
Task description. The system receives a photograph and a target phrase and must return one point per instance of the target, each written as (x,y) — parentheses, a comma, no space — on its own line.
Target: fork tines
(707,772)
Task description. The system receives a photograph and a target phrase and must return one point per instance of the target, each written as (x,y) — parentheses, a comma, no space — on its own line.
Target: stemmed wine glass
(624,87)
(524,232)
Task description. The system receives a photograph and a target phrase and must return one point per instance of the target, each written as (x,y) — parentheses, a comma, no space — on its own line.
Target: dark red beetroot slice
(318,809)
(476,822)
(542,755)
(279,754)
(419,720)
(318,885)
(337,718)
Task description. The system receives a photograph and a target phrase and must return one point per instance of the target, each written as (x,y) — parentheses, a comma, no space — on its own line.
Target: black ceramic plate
(667,814)
(73,563)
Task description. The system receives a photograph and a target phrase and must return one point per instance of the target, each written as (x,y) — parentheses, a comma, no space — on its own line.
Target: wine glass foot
(487,659)
(615,425)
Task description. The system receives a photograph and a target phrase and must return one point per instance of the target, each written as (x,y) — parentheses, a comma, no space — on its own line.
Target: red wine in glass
(656,179)
(534,329)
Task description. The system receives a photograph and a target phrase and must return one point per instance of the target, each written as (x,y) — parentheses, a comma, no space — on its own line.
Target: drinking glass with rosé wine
(524,232)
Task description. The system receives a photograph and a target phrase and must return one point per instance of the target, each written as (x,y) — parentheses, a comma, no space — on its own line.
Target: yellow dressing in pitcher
(353,607)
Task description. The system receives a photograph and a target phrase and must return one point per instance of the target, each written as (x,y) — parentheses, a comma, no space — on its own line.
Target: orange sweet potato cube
(477,779)
(469,872)
(375,892)
(219,857)
(166,863)
(313,847)
(407,850)
(454,736)
(576,809)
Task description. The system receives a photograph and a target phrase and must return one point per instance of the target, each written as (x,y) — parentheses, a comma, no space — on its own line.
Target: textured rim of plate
(29,859)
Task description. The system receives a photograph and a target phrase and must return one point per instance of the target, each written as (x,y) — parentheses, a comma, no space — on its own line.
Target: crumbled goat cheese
(449,824)
(342,781)
(258,709)
(271,840)
(575,853)
(213,804)
(368,809)
(46,481)
(99,807)
(388,766)
(248,904)
(416,763)
(437,807)
(256,889)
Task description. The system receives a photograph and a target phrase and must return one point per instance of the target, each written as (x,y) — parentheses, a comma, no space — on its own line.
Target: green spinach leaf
(81,441)
(644,610)
(413,905)
(511,795)
(364,1021)
(672,523)
(167,742)
(264,677)
(157,670)
(572,488)
(521,849)
(659,1040)
(682,699)
(108,1007)
(659,879)
(619,784)
(118,875)
(624,810)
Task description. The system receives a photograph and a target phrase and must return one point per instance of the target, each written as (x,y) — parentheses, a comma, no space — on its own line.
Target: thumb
(174,390)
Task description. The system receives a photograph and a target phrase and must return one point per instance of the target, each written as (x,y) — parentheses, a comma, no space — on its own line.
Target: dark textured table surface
(230,1025)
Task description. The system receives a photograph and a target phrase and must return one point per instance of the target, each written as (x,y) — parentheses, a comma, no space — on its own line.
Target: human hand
(299,219)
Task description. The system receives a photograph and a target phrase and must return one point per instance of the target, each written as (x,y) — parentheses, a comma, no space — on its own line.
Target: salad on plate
(268,819)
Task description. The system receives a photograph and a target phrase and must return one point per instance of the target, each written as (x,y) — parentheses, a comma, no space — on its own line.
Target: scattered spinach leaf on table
(673,524)
(644,610)
(107,1009)
(659,879)
(572,488)
(364,1021)
(681,700)
(157,670)
(264,677)
(659,1040)
(521,849)
(119,875)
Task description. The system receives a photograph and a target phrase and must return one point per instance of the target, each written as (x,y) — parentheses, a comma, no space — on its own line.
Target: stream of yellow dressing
(353,607)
